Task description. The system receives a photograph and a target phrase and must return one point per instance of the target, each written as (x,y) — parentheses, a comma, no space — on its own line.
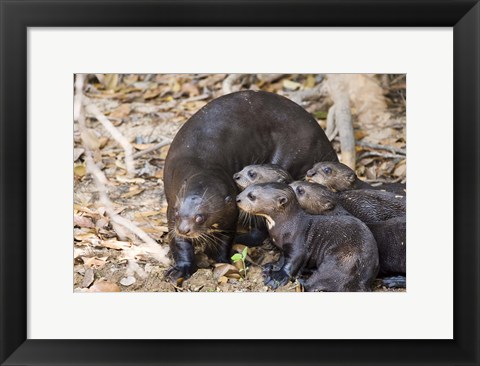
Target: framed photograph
(199,183)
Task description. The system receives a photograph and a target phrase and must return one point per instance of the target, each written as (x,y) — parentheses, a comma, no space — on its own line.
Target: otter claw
(269,267)
(176,275)
(277,279)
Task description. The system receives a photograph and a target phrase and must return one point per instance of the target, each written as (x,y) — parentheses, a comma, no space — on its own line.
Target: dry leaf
(115,244)
(79,170)
(103,142)
(152,93)
(133,191)
(291,85)
(122,111)
(90,139)
(223,280)
(94,262)
(310,82)
(88,278)
(77,152)
(83,221)
(142,146)
(101,223)
(103,285)
(225,269)
(124,179)
(400,169)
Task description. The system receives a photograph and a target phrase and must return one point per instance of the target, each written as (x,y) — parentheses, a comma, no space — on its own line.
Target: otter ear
(329,206)
(282,201)
(228,200)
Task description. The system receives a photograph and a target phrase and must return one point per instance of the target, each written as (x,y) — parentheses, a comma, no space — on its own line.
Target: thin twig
(300,96)
(392,149)
(166,141)
(127,147)
(100,180)
(382,155)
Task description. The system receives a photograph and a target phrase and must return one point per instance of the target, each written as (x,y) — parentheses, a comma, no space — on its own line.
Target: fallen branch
(381,181)
(382,155)
(300,96)
(100,180)
(127,147)
(166,141)
(382,147)
(227,85)
(331,131)
(338,87)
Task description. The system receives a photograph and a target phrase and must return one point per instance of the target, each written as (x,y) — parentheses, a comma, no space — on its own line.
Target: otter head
(335,176)
(313,198)
(202,211)
(261,173)
(267,199)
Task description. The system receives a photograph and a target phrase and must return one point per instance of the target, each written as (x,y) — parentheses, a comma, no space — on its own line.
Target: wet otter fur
(261,173)
(224,136)
(338,177)
(387,224)
(341,250)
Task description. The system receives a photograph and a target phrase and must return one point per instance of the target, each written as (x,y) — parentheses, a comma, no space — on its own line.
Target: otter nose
(311,173)
(184,229)
(236,176)
(238,200)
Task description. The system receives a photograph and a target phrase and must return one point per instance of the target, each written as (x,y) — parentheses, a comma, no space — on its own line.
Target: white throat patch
(270,222)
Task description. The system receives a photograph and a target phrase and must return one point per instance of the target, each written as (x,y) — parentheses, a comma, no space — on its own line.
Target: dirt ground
(147,109)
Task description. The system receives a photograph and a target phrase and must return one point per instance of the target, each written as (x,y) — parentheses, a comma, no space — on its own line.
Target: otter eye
(199,219)
(251,197)
(327,170)
(300,190)
(252,174)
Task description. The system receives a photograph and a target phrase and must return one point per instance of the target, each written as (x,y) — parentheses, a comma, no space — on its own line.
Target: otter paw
(269,267)
(277,279)
(177,274)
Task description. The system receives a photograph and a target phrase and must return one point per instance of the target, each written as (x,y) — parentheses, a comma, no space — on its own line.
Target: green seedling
(241,257)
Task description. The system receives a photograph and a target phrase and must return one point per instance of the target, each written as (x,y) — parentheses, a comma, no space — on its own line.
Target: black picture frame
(18,15)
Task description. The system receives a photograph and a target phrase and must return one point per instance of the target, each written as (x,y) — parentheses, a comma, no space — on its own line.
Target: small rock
(128,281)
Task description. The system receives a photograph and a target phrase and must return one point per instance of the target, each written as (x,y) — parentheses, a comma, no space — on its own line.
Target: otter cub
(317,200)
(261,173)
(366,205)
(341,250)
(339,177)
(387,225)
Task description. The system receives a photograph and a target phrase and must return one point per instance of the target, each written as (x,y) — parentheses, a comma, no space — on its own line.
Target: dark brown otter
(387,222)
(226,135)
(341,250)
(261,173)
(367,205)
(391,237)
(317,200)
(339,177)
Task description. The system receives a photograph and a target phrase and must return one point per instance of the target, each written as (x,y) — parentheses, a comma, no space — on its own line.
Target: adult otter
(341,250)
(226,135)
(339,177)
